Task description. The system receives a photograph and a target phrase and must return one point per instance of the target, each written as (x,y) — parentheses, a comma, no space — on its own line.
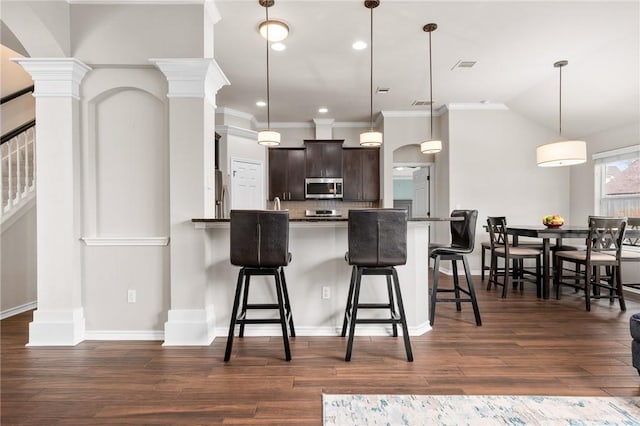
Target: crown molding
(138,2)
(237,131)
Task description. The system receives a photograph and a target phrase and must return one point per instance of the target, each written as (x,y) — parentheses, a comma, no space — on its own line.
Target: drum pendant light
(268,137)
(371,138)
(561,153)
(430,146)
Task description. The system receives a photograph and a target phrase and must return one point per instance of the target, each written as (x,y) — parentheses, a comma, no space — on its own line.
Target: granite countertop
(328,219)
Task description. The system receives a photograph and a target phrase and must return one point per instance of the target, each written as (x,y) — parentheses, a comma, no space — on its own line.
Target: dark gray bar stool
(377,243)
(463,236)
(260,245)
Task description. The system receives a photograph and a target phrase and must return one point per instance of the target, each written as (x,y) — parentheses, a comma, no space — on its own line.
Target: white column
(193,84)
(59,319)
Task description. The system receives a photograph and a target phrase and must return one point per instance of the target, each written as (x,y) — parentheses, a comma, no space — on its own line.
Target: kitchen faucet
(276,203)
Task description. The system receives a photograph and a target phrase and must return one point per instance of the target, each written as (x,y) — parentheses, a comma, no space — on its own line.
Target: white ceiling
(515,44)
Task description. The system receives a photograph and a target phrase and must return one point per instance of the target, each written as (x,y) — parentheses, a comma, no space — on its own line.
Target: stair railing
(17,161)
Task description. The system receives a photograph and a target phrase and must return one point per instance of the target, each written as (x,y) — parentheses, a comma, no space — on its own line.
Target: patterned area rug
(344,410)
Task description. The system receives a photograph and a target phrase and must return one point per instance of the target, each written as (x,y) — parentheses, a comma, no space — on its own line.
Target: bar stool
(377,244)
(260,245)
(463,235)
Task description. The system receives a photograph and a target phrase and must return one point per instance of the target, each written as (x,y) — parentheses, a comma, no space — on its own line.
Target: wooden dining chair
(500,248)
(601,261)
(631,247)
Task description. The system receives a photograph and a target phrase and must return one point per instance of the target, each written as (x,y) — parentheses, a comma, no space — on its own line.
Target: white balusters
(17,163)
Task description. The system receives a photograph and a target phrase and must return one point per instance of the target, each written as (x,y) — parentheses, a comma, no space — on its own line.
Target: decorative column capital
(192,77)
(55,77)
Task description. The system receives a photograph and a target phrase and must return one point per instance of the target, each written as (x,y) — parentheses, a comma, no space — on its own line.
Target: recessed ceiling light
(323,110)
(359,45)
(278,47)
(261,104)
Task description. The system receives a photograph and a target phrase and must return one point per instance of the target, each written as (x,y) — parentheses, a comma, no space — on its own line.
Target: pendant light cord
(267,44)
(430,88)
(371,74)
(560,105)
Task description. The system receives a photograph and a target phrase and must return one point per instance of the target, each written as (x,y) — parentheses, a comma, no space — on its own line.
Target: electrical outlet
(326,292)
(131,296)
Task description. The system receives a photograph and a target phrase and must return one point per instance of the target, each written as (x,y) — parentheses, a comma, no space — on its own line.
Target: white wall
(14,77)
(126,198)
(18,255)
(582,175)
(583,182)
(492,168)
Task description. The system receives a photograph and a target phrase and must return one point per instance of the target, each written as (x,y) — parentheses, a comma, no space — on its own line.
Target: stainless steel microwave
(323,188)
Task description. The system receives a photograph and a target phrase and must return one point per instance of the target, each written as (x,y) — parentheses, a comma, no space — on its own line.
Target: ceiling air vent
(383,90)
(420,103)
(464,64)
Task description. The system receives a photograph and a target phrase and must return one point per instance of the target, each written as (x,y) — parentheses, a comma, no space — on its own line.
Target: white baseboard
(56,328)
(124,335)
(258,330)
(190,327)
(18,310)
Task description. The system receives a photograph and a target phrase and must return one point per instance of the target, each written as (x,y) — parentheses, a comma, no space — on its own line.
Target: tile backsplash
(297,208)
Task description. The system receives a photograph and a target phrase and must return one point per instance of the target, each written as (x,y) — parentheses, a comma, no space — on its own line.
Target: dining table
(546,234)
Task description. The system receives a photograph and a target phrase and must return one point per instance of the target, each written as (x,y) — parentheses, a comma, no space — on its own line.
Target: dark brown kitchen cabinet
(286,174)
(324,158)
(361,174)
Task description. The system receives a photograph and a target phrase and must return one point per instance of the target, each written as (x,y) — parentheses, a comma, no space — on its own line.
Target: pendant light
(430,146)
(561,153)
(268,137)
(371,138)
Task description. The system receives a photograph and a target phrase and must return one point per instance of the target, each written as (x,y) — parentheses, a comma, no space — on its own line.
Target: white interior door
(420,207)
(247,186)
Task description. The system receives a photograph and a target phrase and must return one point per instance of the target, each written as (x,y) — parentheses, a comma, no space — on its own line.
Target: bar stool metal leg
(287,304)
(283,316)
(472,292)
(347,310)
(245,300)
(403,318)
(394,326)
(234,313)
(434,290)
(354,313)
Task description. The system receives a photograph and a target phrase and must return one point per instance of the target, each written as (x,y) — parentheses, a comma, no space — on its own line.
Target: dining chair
(463,236)
(631,246)
(601,261)
(500,248)
(260,246)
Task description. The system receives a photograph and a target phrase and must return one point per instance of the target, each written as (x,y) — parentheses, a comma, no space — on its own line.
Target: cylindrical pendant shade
(563,153)
(371,139)
(268,138)
(431,146)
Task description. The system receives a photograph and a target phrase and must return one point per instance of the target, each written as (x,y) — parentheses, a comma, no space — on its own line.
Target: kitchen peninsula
(317,270)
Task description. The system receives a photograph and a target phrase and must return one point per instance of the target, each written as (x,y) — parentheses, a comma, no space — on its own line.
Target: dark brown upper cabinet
(324,158)
(361,174)
(286,173)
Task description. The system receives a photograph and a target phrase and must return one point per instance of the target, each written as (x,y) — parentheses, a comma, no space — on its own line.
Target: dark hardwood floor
(525,346)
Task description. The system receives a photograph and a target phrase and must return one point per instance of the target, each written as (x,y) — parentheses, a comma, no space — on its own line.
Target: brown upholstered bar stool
(463,236)
(260,245)
(377,244)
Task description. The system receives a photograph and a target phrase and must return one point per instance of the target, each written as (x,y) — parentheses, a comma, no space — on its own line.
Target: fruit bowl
(552,221)
(553,225)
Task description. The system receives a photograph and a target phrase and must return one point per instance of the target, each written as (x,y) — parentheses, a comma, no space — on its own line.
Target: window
(617,176)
